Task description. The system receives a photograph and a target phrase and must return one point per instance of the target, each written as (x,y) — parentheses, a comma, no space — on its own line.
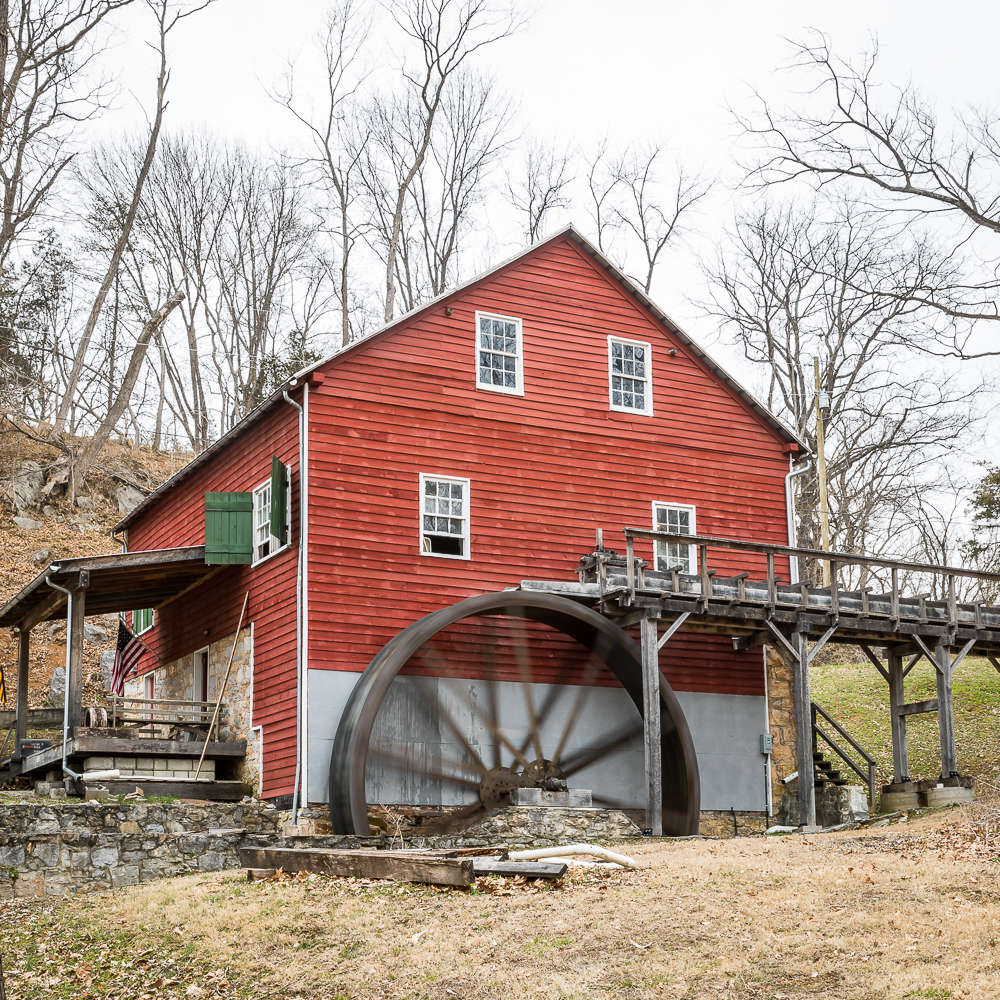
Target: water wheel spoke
(550,701)
(582,694)
(524,670)
(437,710)
(437,774)
(495,731)
(615,739)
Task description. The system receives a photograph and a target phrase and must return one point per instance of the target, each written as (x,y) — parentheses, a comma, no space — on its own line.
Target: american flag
(127,652)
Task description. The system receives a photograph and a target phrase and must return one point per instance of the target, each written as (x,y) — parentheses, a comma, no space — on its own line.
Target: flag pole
(222,690)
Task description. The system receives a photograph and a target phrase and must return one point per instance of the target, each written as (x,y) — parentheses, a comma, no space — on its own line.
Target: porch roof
(113,583)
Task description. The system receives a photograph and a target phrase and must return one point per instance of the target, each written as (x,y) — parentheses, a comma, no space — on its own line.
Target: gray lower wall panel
(725,729)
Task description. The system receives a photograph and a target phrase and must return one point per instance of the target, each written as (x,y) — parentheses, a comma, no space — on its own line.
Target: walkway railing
(866,772)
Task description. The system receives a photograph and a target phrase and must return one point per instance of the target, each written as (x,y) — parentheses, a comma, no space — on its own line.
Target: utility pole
(822,399)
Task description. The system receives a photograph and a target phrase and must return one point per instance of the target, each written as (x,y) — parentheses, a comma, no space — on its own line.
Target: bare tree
(50,86)
(445,33)
(168,15)
(886,143)
(338,134)
(541,187)
(636,210)
(793,287)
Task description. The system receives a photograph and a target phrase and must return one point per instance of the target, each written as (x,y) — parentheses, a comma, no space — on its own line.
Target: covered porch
(73,589)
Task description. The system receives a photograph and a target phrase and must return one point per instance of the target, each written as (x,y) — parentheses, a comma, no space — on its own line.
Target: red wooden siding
(546,469)
(179,519)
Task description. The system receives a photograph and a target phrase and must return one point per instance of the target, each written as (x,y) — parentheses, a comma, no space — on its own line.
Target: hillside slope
(36,530)
(858,698)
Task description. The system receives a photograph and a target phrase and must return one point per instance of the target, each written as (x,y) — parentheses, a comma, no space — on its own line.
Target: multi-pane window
(444,517)
(498,353)
(678,520)
(629,367)
(264,543)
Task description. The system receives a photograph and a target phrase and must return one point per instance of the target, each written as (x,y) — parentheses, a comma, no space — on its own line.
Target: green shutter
(279,500)
(228,528)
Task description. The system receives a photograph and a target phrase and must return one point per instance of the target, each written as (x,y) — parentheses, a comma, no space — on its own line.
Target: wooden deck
(795,620)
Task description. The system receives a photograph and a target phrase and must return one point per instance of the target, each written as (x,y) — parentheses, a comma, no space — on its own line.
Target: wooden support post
(900,763)
(946,713)
(21,724)
(803,729)
(74,683)
(651,726)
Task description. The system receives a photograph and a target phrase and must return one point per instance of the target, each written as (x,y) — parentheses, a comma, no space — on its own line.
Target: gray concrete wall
(411,741)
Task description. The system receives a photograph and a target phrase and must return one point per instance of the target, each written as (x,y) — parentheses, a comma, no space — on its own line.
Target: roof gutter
(301,605)
(793,561)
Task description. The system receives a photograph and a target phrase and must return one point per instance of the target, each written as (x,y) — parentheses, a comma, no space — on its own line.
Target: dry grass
(908,910)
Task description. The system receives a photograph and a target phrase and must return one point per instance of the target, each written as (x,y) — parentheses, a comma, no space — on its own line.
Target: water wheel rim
(610,644)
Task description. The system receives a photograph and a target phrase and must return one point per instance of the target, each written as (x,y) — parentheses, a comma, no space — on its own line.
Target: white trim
(302,723)
(277,547)
(648,378)
(518,389)
(692,523)
(466,535)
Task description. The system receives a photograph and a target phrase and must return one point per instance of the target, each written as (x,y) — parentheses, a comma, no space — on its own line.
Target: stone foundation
(728,824)
(53,849)
(50,850)
(175,768)
(835,804)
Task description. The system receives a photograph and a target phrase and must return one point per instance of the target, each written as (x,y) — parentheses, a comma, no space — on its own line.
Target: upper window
(630,374)
(444,517)
(678,519)
(264,543)
(498,353)
(142,620)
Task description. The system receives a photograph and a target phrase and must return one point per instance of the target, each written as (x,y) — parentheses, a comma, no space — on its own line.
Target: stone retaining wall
(49,850)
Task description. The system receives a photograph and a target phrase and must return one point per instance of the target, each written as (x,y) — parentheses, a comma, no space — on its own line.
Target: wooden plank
(42,611)
(129,560)
(396,865)
(917,707)
(213,791)
(134,748)
(22,713)
(38,718)
(75,667)
(651,727)
(529,869)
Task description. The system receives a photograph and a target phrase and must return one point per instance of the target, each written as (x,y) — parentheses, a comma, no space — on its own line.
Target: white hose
(558,852)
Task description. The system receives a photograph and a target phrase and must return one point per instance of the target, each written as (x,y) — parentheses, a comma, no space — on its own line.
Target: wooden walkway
(893,627)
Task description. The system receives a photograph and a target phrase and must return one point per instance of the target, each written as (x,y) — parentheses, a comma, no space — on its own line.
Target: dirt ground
(908,910)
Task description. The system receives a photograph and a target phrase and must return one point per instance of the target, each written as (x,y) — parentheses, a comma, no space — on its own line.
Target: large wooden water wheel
(503,690)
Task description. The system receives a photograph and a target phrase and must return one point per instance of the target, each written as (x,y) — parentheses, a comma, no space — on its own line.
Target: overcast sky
(584,68)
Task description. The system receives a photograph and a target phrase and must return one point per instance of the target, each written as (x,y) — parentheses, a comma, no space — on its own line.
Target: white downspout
(301,599)
(793,563)
(69,643)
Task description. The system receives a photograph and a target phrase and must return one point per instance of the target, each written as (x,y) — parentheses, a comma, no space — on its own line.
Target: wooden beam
(674,626)
(21,726)
(48,607)
(129,560)
(917,707)
(528,869)
(138,748)
(400,866)
(74,682)
(213,791)
(191,586)
(876,662)
(754,641)
(900,752)
(651,727)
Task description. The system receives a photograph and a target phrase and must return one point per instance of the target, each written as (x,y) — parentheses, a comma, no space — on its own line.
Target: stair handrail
(870,778)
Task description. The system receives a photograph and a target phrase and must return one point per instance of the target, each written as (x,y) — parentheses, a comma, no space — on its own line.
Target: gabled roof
(570,232)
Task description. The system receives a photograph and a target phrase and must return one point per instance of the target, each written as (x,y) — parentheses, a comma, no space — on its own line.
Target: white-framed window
(630,376)
(265,544)
(444,516)
(499,365)
(678,519)
(142,620)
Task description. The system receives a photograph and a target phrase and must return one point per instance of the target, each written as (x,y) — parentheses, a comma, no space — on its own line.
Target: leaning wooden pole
(222,690)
